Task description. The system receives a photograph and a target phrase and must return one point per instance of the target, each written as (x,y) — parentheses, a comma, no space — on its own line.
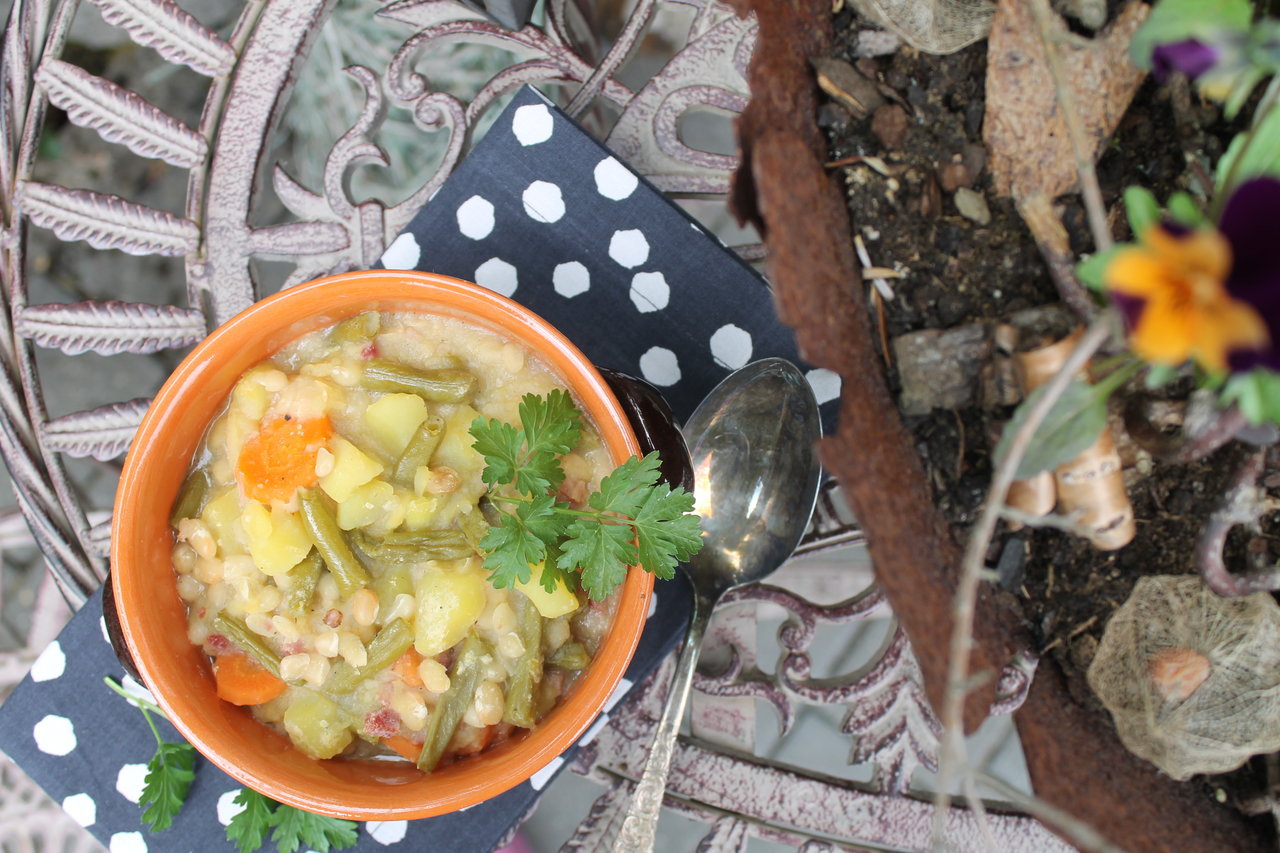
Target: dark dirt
(959,271)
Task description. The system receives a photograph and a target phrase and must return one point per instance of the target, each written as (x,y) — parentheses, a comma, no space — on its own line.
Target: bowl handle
(654,424)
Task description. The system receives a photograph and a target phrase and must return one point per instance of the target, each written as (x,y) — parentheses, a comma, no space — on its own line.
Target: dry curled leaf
(1025,132)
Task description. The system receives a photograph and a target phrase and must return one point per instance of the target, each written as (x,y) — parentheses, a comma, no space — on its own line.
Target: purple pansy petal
(1190,56)
(1130,307)
(1249,224)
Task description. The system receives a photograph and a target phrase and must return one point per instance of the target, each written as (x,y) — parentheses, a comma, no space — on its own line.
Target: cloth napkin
(543,213)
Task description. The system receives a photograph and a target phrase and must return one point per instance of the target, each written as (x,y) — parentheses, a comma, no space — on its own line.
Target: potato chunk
(352,468)
(393,418)
(549,604)
(277,539)
(449,602)
(315,725)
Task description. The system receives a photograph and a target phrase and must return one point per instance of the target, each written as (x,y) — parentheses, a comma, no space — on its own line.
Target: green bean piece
(570,656)
(520,708)
(391,581)
(419,450)
(359,329)
(442,385)
(329,541)
(235,630)
(192,497)
(468,670)
(473,526)
(388,644)
(303,579)
(406,550)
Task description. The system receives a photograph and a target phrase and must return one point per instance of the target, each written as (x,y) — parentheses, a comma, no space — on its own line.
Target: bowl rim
(265,326)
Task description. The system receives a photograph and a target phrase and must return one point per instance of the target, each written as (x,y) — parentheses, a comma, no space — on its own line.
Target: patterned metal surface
(226,155)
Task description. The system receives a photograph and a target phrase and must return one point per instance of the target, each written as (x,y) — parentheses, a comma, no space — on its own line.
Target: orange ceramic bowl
(153,620)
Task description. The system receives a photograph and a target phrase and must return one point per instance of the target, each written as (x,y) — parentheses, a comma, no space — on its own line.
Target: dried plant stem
(1082,836)
(971,568)
(1240,505)
(1226,426)
(1066,96)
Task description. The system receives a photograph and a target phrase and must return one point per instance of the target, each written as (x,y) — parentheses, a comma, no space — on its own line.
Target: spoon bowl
(752,443)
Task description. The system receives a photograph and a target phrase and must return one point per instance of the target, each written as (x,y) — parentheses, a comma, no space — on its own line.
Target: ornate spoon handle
(641,823)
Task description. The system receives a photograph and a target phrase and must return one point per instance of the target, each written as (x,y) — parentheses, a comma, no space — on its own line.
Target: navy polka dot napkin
(543,213)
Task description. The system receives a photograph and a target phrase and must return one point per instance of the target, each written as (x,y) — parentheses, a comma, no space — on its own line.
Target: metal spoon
(755,482)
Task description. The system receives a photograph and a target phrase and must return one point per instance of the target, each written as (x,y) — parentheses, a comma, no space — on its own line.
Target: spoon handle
(641,823)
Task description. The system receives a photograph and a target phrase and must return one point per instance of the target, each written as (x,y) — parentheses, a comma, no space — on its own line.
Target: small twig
(953,750)
(1054,244)
(1080,147)
(1080,834)
(1240,505)
(979,810)
(1226,426)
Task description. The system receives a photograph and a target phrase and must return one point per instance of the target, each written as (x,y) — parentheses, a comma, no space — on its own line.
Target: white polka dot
(102,623)
(629,248)
(543,201)
(653,606)
(624,685)
(127,842)
(82,809)
(532,124)
(497,275)
(387,832)
(825,384)
(475,218)
(542,777)
(659,366)
(227,808)
(54,735)
(595,729)
(731,346)
(403,253)
(614,180)
(130,781)
(650,291)
(133,688)
(51,663)
(570,279)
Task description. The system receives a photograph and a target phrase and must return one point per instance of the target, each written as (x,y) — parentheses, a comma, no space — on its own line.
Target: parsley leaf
(529,457)
(169,775)
(295,828)
(633,518)
(666,531)
(519,541)
(600,551)
(248,829)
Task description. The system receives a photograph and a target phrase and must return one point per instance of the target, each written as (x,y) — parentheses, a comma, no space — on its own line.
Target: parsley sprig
(633,519)
(171,772)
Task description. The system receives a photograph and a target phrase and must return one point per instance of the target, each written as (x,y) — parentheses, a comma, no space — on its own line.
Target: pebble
(972,205)
(889,124)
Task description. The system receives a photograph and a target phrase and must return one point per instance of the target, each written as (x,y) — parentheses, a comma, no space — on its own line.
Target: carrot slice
(243,681)
(281,458)
(406,666)
(402,746)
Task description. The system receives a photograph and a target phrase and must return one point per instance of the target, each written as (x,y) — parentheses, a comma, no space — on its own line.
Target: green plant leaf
(1251,154)
(1142,209)
(249,828)
(1074,422)
(1257,393)
(1175,20)
(1183,208)
(1090,271)
(1160,375)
